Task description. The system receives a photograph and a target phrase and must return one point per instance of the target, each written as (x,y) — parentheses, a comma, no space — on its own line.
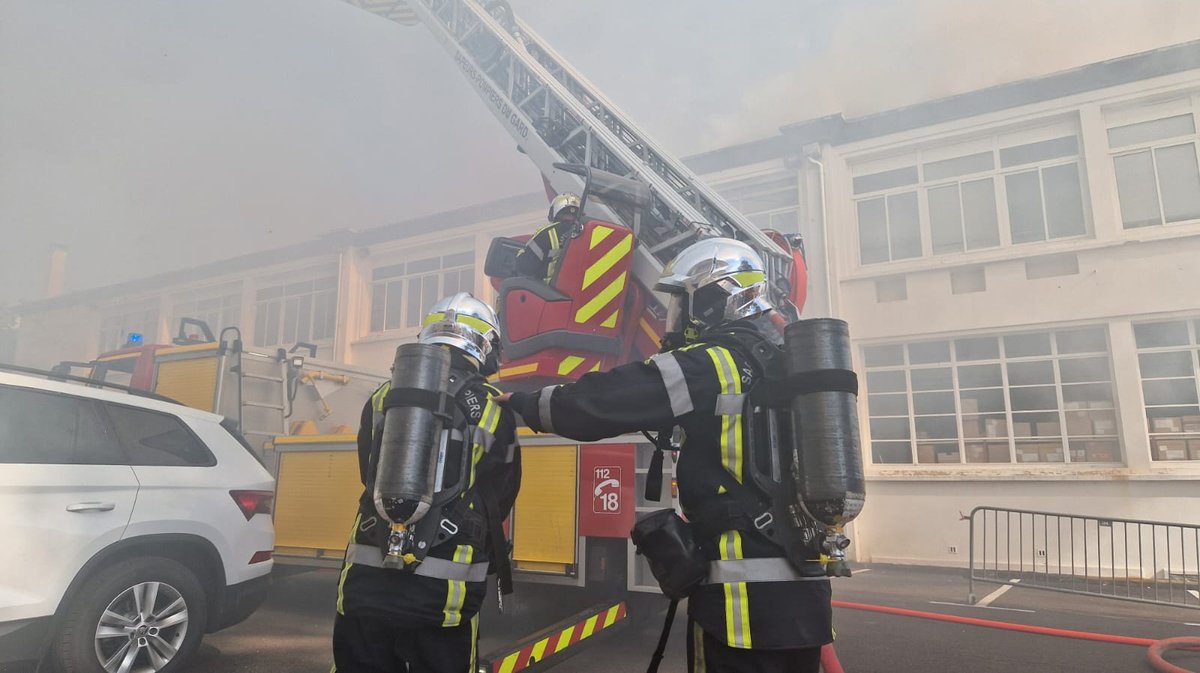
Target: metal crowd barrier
(1127,559)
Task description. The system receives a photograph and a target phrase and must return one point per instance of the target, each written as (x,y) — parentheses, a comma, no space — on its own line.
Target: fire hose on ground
(1157,648)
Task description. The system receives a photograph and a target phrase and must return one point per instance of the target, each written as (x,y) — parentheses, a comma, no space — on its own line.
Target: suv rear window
(49,428)
(155,438)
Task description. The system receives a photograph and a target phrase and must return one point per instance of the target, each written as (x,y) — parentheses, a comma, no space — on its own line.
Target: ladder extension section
(557,116)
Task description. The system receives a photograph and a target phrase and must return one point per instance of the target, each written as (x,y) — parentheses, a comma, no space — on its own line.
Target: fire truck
(640,206)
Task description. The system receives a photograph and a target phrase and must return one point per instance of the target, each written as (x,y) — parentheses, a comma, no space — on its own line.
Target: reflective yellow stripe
(598,236)
(510,662)
(589,627)
(648,330)
(748,278)
(565,639)
(610,259)
(569,364)
(601,300)
(475,643)
(456,593)
(432,318)
(474,323)
(611,321)
(737,603)
(698,664)
(489,421)
(380,393)
(346,566)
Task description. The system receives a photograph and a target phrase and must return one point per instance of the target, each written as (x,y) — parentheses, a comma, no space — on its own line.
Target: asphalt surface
(291,632)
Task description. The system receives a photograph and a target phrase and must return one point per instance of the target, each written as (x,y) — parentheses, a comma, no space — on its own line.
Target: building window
(217,312)
(770,203)
(401,294)
(116,328)
(1167,355)
(1158,176)
(304,311)
(1039,397)
(952,202)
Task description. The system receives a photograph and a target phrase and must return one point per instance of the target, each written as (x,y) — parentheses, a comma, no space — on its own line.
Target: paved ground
(290,633)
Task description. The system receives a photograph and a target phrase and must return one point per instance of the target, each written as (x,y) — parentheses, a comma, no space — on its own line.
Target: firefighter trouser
(707,654)
(384,645)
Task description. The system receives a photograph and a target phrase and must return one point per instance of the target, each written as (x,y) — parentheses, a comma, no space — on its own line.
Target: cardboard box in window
(1170,449)
(1022,429)
(1166,424)
(926,453)
(1190,423)
(1047,429)
(1029,454)
(1052,454)
(947,457)
(970,405)
(972,428)
(1104,423)
(995,427)
(1079,424)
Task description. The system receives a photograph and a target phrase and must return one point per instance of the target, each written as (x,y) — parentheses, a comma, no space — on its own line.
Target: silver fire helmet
(562,206)
(714,281)
(464,322)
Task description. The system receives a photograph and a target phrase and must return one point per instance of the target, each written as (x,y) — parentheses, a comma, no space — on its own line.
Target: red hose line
(1043,630)
(1157,650)
(829,660)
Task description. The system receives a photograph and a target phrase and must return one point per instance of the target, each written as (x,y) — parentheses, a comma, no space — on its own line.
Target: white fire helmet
(466,323)
(714,281)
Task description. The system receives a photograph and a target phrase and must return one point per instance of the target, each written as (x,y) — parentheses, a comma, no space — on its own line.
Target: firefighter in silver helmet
(759,608)
(424,616)
(539,258)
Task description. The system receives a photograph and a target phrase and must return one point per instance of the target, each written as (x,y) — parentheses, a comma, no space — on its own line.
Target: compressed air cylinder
(407,467)
(828,463)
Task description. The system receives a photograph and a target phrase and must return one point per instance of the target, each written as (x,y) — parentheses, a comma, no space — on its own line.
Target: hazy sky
(153,134)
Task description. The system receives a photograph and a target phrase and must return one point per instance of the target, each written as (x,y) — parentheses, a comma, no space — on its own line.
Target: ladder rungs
(263,405)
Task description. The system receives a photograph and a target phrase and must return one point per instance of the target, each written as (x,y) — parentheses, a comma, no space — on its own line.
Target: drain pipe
(809,154)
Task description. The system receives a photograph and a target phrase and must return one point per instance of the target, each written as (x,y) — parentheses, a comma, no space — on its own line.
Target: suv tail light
(253,502)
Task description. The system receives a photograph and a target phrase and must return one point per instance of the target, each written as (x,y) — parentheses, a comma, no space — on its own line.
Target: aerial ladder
(582,143)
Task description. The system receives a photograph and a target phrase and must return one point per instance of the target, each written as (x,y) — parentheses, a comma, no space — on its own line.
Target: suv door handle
(91,507)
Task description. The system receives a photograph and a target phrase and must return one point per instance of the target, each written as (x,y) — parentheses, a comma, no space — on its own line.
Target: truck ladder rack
(557,116)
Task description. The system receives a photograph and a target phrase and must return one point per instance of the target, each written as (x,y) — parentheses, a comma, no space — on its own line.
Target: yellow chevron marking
(515,371)
(539,650)
(648,330)
(598,235)
(604,298)
(611,321)
(569,364)
(611,617)
(610,258)
(510,662)
(564,639)
(595,367)
(589,627)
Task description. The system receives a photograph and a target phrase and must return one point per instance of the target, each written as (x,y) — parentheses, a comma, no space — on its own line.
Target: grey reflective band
(511,453)
(544,408)
(437,568)
(536,249)
(364,555)
(440,568)
(757,570)
(730,404)
(483,438)
(677,387)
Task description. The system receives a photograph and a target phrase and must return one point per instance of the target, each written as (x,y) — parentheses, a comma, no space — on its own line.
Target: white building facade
(1017,266)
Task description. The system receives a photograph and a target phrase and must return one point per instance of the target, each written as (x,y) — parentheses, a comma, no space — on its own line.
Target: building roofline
(325,244)
(1091,77)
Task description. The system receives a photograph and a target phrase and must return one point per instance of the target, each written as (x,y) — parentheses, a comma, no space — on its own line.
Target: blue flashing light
(134,339)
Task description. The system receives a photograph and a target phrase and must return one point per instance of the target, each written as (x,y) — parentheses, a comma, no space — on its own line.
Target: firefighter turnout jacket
(539,258)
(448,586)
(753,598)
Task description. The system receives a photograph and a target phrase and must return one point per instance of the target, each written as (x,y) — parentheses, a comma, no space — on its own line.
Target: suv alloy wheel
(137,616)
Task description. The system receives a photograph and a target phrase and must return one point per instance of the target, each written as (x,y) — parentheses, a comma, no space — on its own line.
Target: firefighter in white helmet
(424,616)
(540,256)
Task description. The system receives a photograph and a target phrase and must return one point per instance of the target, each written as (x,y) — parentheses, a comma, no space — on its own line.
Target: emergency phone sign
(607,483)
(606,489)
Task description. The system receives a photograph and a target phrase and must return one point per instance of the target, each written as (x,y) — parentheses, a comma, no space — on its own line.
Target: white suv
(129,527)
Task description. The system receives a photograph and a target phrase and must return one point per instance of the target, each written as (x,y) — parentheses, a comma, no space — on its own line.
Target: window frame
(383,282)
(994,143)
(279,313)
(1153,114)
(1002,359)
(1193,349)
(120,455)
